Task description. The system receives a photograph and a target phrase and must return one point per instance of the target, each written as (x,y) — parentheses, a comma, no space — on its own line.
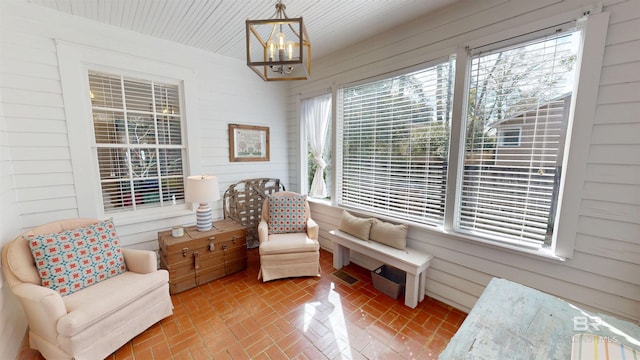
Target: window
(152,77)
(507,182)
(395,140)
(494,165)
(521,93)
(509,137)
(138,139)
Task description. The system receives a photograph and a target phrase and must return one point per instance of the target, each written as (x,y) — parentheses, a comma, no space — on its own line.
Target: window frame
(582,114)
(581,117)
(156,147)
(75,61)
(478,221)
(449,58)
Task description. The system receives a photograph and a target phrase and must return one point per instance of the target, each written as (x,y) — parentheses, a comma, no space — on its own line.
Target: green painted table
(512,321)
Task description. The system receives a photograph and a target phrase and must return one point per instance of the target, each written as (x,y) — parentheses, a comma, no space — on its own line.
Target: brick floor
(239,317)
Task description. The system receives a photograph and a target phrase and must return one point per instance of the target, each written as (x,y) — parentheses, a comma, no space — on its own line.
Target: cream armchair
(291,254)
(95,321)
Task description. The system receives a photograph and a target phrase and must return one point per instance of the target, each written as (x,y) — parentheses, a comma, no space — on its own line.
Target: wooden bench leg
(411,290)
(341,256)
(423,285)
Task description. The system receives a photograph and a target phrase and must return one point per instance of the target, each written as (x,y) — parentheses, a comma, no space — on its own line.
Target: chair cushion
(75,259)
(389,234)
(358,227)
(288,243)
(287,214)
(93,304)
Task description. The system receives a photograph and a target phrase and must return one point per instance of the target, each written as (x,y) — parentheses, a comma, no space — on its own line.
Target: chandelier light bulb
(282,39)
(272,49)
(290,49)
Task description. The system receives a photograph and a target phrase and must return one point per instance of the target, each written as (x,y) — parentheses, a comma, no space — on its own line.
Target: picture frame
(248,143)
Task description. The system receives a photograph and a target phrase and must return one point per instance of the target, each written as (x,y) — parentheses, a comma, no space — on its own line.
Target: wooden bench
(412,261)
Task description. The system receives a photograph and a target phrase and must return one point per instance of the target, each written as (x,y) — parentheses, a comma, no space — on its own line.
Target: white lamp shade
(202,188)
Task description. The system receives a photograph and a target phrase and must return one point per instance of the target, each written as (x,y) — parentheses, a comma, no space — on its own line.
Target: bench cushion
(358,227)
(389,234)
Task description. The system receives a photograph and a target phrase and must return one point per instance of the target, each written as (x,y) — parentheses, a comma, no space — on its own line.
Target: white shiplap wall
(13,324)
(37,128)
(37,180)
(604,272)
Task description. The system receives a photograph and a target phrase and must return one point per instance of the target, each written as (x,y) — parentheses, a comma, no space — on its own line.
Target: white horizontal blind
(138,134)
(395,139)
(516,129)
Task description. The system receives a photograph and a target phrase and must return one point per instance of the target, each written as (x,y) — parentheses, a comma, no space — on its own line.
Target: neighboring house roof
(524,112)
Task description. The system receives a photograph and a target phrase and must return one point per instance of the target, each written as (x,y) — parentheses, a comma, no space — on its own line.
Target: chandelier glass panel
(278,48)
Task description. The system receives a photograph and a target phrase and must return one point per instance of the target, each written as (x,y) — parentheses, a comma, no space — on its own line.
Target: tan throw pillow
(389,234)
(358,227)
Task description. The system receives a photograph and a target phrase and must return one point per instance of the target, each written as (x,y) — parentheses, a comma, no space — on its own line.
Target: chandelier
(278,48)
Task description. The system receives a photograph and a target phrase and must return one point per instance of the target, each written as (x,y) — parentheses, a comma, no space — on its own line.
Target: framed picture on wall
(248,143)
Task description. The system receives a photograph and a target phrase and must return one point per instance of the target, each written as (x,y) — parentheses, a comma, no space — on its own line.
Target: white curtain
(316,114)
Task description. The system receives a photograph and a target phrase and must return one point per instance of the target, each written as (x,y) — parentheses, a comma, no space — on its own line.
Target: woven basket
(243,200)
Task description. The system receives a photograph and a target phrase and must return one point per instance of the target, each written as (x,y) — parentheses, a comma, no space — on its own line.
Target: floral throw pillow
(75,259)
(287,214)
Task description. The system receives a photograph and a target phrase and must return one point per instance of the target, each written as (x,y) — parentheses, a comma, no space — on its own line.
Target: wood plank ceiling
(219,25)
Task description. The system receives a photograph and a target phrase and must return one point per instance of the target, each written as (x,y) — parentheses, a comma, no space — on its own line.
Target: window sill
(545,253)
(127,218)
(325,201)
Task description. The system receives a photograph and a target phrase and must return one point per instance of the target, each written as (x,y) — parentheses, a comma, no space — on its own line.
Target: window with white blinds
(138,139)
(395,138)
(516,133)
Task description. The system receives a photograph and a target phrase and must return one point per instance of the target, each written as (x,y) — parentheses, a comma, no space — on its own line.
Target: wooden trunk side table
(198,257)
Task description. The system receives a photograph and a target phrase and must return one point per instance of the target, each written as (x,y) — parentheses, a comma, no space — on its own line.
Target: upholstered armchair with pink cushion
(90,322)
(288,243)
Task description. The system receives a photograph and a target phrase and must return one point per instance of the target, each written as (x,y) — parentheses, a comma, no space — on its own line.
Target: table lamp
(202,189)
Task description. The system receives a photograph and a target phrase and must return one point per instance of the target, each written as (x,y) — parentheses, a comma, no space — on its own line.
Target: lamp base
(204,217)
